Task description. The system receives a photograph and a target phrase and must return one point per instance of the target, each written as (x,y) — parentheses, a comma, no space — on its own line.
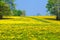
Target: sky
(32,7)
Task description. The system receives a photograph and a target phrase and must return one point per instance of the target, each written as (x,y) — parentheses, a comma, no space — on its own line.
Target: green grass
(29,28)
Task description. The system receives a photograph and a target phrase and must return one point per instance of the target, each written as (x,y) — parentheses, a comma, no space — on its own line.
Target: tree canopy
(53,7)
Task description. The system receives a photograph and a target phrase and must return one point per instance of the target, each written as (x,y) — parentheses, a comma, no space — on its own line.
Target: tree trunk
(58,17)
(1,16)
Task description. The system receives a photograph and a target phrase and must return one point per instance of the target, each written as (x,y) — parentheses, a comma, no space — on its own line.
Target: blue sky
(32,7)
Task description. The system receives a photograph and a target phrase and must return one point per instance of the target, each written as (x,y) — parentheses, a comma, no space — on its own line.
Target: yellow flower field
(29,28)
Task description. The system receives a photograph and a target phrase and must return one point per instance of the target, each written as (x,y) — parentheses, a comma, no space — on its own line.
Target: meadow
(29,28)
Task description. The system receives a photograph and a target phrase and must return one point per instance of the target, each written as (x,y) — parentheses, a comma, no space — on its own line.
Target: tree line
(7,8)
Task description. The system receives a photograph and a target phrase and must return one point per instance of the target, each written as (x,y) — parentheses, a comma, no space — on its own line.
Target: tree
(47,14)
(4,9)
(38,14)
(53,8)
(23,13)
(17,13)
(11,4)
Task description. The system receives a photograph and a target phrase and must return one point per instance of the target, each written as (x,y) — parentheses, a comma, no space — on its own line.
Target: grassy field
(30,28)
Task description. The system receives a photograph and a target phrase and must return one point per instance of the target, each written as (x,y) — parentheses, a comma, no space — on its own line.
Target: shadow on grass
(5,18)
(52,19)
(41,20)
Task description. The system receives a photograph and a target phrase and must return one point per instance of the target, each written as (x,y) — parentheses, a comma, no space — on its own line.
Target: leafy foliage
(17,12)
(9,8)
(51,6)
(4,8)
